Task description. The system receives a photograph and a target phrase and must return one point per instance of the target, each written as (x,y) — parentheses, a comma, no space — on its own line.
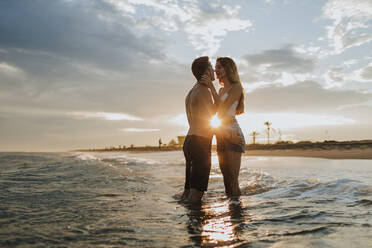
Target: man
(198,142)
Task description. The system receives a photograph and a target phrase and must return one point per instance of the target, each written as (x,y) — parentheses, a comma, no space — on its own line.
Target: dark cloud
(282,60)
(55,33)
(307,96)
(83,56)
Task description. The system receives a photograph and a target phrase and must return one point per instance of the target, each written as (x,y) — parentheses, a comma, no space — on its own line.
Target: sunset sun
(215,122)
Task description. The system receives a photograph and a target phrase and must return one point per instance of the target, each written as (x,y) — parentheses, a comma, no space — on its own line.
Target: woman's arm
(233,94)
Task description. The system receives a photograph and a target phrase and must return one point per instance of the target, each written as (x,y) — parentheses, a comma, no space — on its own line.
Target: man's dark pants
(197,151)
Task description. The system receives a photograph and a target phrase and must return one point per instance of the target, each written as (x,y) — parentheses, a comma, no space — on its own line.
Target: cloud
(57,33)
(88,55)
(278,60)
(61,132)
(349,63)
(139,130)
(157,92)
(363,75)
(351,22)
(9,69)
(366,72)
(84,55)
(340,132)
(334,76)
(284,66)
(302,97)
(204,22)
(338,76)
(339,9)
(105,116)
(249,87)
(206,31)
(289,120)
(359,112)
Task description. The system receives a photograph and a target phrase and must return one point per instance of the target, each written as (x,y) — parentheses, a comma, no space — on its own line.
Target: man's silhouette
(198,142)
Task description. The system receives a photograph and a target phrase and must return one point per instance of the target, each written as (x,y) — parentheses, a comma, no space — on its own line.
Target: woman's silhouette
(230,138)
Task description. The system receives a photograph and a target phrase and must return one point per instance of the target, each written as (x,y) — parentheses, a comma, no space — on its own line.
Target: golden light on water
(218,230)
(215,122)
(214,160)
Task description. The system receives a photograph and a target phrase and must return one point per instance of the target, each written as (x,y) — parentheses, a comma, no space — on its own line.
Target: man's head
(201,66)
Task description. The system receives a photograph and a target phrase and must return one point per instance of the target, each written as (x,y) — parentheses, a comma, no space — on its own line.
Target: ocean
(132,200)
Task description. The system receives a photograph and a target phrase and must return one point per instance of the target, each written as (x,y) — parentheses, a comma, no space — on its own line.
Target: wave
(339,189)
(116,159)
(256,182)
(362,202)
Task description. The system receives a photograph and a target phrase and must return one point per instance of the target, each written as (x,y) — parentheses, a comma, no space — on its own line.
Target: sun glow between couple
(215,122)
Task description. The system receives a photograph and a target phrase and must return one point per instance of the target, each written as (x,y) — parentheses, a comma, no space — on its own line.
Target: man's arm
(232,96)
(206,103)
(206,80)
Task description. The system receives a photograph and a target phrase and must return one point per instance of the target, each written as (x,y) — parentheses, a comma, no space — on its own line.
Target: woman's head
(226,68)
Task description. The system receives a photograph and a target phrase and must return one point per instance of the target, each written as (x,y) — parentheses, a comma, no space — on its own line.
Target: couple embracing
(202,103)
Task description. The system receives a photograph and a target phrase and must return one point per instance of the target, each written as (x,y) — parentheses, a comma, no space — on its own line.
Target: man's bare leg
(185,195)
(195,195)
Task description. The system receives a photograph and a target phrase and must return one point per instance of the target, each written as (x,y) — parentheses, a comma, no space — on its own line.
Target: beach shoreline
(330,153)
(335,153)
(359,149)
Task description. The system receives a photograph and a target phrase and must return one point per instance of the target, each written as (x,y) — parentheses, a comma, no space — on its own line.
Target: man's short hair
(199,66)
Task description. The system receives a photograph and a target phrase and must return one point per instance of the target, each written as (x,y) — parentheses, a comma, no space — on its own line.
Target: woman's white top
(232,109)
(233,126)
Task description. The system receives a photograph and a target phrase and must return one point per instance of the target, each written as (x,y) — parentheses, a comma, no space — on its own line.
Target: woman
(230,138)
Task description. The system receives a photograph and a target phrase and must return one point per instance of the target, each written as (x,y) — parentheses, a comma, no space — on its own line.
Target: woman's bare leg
(230,166)
(223,163)
(235,159)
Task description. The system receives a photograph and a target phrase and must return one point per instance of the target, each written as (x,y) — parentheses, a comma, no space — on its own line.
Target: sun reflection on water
(214,160)
(216,223)
(215,232)
(218,230)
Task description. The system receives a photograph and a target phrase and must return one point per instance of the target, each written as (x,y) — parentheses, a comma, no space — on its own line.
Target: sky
(98,73)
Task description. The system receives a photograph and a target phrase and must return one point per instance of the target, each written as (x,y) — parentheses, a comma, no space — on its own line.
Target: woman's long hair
(232,75)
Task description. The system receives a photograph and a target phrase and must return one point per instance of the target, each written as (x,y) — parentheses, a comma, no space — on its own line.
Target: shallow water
(122,199)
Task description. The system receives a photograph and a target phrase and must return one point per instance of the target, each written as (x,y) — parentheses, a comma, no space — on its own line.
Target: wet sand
(354,153)
(331,151)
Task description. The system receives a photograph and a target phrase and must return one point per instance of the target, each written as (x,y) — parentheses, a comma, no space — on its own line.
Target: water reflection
(216,224)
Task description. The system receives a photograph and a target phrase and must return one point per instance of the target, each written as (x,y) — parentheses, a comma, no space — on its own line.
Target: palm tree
(254,134)
(268,124)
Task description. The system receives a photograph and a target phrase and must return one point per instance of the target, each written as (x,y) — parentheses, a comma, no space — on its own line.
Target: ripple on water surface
(120,199)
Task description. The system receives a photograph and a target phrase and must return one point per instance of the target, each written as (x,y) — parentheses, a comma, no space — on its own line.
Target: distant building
(181,140)
(172,143)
